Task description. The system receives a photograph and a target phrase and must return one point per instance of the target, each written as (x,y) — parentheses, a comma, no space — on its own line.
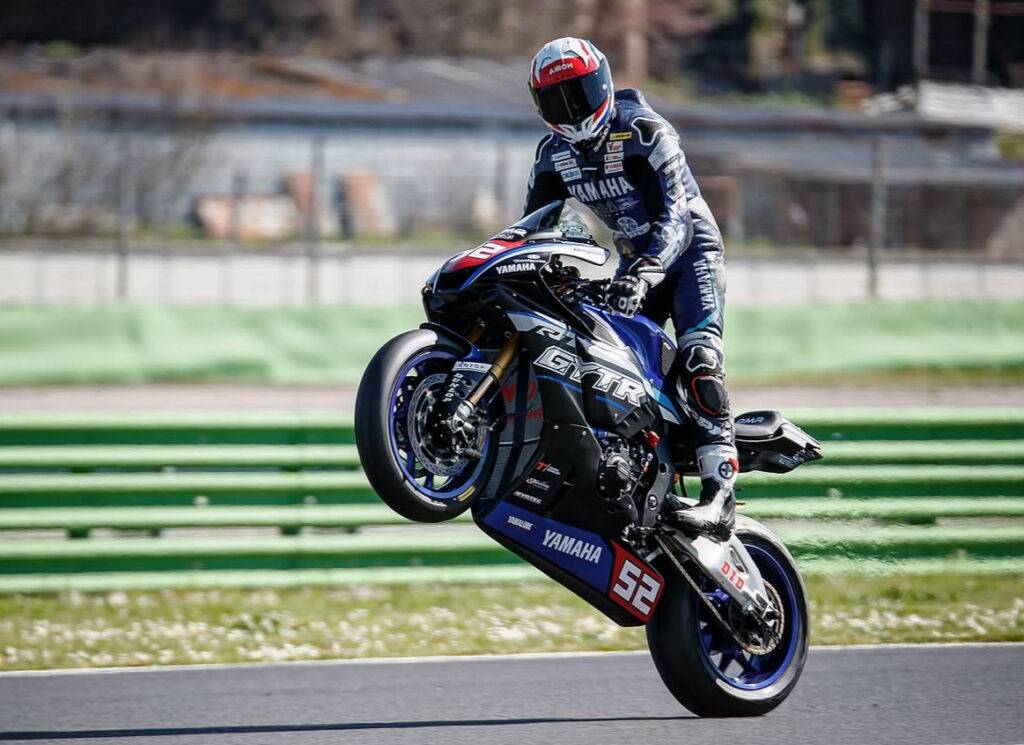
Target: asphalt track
(933,695)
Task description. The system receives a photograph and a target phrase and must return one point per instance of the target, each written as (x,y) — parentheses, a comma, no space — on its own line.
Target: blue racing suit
(636,180)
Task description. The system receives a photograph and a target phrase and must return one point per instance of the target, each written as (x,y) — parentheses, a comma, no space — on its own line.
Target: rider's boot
(715,512)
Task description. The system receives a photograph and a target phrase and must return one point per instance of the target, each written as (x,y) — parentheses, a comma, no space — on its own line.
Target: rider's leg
(698,315)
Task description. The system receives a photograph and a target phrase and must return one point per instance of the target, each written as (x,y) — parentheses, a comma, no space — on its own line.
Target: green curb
(159,457)
(137,489)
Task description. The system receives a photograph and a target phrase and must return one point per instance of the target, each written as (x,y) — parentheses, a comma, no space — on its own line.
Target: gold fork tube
(498,367)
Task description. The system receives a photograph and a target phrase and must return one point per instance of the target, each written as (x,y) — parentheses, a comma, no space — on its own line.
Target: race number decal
(635,585)
(481,254)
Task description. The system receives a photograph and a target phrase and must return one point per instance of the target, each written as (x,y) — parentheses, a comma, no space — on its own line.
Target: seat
(758,425)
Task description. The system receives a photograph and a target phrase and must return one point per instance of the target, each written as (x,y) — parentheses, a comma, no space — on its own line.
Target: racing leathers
(636,180)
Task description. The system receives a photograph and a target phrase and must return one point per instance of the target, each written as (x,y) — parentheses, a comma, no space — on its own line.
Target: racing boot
(715,511)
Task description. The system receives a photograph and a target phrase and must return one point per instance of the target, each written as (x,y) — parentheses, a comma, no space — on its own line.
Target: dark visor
(572,101)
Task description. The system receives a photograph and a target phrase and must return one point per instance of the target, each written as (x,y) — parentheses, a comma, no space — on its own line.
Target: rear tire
(379,451)
(682,657)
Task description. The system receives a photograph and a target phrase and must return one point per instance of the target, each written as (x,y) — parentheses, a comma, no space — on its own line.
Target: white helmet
(572,87)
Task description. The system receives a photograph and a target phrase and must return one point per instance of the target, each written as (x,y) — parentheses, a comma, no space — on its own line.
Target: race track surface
(939,696)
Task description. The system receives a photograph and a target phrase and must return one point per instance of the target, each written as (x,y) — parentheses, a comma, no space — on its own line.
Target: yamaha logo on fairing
(570,366)
(519,266)
(570,546)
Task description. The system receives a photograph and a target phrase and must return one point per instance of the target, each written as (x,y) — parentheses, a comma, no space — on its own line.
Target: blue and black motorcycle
(526,400)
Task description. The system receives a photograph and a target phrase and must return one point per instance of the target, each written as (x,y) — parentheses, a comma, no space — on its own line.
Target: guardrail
(150,501)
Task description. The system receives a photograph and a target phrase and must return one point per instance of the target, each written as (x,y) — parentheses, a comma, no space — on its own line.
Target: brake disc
(432,457)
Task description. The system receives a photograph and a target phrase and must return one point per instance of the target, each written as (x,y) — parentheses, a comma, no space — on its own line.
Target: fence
(338,275)
(152,501)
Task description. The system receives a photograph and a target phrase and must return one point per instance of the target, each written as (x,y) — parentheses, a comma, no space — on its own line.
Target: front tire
(394,452)
(700,664)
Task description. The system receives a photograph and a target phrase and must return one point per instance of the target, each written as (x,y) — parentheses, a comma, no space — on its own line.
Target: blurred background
(213,213)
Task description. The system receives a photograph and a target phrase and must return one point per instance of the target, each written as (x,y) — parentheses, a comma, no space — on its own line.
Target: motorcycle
(525,399)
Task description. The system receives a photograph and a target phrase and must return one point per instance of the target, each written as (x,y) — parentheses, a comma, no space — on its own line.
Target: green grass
(171,627)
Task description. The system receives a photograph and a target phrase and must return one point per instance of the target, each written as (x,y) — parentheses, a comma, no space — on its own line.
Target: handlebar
(590,291)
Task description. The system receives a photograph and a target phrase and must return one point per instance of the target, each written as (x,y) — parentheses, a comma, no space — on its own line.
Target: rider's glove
(626,293)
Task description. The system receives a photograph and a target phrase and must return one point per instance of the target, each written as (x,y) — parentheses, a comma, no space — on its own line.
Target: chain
(700,593)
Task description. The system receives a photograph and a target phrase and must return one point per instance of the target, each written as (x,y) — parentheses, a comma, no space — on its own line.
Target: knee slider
(711,395)
(704,377)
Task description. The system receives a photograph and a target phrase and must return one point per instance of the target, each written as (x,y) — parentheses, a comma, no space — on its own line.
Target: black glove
(626,293)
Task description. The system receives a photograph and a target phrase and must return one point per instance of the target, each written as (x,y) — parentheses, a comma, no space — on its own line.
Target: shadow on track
(341,727)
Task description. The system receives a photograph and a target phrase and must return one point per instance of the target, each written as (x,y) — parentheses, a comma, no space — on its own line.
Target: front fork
(466,388)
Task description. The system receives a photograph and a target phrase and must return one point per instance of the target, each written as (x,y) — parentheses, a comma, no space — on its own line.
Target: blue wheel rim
(725,659)
(429,485)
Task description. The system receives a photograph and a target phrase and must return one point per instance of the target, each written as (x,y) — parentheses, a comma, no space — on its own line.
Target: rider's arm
(659,171)
(545,185)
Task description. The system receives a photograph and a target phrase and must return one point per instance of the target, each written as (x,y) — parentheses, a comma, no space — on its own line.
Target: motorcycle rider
(613,153)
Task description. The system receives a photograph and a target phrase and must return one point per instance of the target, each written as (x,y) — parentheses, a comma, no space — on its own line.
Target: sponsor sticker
(571,174)
(516,267)
(612,167)
(510,234)
(519,522)
(611,157)
(617,136)
(561,154)
(607,188)
(474,366)
(548,468)
(614,147)
(561,165)
(667,148)
(527,497)
(583,554)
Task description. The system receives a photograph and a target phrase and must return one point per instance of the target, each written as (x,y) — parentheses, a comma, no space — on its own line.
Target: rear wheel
(403,446)
(699,661)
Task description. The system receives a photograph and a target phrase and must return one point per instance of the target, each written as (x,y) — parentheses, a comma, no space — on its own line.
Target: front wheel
(404,449)
(701,664)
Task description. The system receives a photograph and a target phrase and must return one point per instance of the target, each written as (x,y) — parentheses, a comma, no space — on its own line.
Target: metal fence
(335,274)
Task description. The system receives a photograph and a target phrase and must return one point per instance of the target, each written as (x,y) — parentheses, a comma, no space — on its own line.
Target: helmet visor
(572,101)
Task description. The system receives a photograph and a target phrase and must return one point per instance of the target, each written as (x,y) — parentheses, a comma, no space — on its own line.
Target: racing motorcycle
(525,399)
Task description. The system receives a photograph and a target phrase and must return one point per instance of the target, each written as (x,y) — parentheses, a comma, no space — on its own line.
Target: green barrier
(161,457)
(136,489)
(271,578)
(933,452)
(494,573)
(80,520)
(235,428)
(911,510)
(335,487)
(894,423)
(174,428)
(450,549)
(340,487)
(905,542)
(297,457)
(885,481)
(302,552)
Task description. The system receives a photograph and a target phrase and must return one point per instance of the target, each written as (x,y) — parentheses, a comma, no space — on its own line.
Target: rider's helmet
(572,87)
